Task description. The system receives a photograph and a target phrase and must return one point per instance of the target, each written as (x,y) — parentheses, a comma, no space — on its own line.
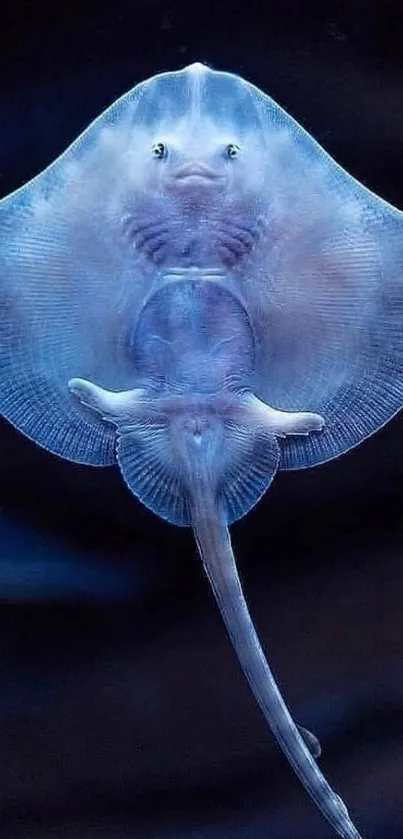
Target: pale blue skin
(224,300)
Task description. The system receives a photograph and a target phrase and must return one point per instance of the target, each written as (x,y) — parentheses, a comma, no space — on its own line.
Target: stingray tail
(214,544)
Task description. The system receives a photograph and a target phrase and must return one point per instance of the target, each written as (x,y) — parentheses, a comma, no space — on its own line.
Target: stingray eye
(233,150)
(159,151)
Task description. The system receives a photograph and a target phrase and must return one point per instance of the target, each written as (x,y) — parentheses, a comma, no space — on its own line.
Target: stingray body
(197,291)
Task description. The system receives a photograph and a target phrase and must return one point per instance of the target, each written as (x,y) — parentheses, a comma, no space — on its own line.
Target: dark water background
(123,712)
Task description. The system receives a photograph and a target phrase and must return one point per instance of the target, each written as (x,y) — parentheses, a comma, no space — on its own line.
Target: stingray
(197,292)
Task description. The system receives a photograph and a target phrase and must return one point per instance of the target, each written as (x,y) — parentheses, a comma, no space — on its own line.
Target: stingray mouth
(197,174)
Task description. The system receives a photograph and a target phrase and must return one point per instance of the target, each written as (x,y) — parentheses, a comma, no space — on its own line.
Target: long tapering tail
(214,544)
